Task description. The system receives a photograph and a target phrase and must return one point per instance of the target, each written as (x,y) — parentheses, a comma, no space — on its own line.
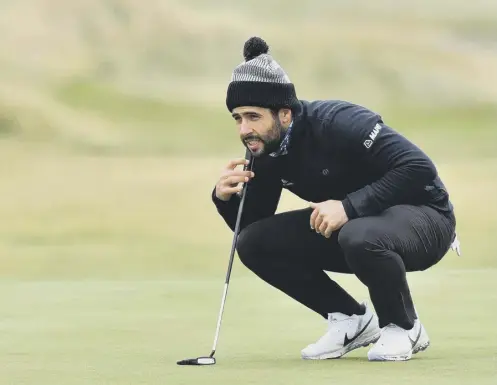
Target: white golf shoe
(345,333)
(397,344)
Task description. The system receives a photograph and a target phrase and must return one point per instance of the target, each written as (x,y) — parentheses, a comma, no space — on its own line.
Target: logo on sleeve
(372,136)
(286,183)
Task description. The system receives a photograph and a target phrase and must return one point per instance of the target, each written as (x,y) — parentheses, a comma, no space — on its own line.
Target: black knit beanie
(260,81)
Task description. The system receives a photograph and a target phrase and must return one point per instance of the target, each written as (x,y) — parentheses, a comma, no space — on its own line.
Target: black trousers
(284,252)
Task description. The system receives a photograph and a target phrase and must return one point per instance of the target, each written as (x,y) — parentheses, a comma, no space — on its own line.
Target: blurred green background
(113,131)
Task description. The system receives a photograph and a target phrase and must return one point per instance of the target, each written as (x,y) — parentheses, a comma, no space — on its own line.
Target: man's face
(260,131)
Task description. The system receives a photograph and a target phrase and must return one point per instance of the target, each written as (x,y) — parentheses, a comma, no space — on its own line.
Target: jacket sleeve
(404,167)
(263,195)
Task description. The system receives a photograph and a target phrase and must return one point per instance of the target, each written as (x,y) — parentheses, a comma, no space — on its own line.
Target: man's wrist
(349,209)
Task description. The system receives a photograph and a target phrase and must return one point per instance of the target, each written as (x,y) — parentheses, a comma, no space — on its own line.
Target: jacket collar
(285,143)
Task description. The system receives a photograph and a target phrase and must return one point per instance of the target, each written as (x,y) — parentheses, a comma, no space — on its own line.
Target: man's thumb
(312,205)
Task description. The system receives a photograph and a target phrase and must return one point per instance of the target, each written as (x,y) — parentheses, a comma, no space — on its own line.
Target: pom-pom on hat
(260,81)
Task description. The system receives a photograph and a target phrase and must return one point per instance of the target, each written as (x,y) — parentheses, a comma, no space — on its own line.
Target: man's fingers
(233,180)
(229,173)
(314,215)
(322,227)
(236,162)
(317,223)
(328,231)
(232,190)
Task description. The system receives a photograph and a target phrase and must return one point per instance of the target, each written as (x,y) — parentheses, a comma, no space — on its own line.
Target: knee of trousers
(249,245)
(360,242)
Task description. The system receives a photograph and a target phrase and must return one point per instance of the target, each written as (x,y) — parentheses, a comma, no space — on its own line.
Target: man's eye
(254,117)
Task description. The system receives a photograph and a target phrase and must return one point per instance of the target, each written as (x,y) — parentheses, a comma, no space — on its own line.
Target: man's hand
(231,180)
(327,217)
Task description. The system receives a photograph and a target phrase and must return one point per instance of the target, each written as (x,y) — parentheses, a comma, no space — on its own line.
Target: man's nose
(245,129)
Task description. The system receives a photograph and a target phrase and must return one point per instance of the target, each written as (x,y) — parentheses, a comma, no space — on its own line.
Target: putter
(210,360)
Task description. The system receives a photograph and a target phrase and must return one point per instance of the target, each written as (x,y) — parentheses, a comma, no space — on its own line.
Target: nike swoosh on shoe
(414,342)
(346,339)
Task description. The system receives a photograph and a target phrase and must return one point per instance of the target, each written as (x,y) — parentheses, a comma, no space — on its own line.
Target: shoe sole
(422,345)
(347,349)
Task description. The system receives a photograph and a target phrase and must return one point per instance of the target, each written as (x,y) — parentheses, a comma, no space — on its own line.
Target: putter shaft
(232,254)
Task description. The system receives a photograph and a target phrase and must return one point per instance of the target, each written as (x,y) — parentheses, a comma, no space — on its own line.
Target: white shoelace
(390,332)
(338,325)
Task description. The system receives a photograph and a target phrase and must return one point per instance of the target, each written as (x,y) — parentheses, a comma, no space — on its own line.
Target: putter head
(198,361)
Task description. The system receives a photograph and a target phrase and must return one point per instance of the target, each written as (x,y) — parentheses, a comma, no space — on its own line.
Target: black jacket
(341,151)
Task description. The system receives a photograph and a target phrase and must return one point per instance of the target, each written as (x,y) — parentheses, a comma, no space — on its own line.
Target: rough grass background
(113,130)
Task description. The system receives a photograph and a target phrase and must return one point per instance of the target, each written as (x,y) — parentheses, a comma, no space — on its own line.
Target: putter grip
(248,167)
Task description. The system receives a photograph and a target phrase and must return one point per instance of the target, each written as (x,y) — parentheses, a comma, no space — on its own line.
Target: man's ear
(285,115)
